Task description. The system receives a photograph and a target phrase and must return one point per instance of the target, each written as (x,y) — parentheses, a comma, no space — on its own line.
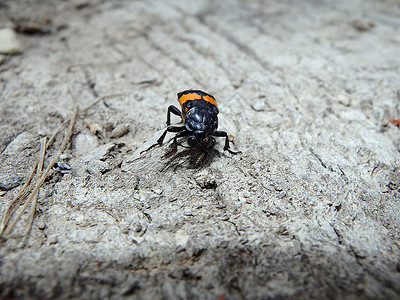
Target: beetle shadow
(190,159)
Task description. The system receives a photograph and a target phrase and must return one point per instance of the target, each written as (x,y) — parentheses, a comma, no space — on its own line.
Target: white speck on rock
(9,43)
(85,143)
(181,238)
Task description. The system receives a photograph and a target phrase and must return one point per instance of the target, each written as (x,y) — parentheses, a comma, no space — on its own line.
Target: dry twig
(40,180)
(38,174)
(20,196)
(6,226)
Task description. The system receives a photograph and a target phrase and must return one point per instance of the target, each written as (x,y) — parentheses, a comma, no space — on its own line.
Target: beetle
(199,115)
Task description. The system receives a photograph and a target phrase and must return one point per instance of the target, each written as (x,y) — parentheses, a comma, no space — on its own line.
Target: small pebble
(41,224)
(138,228)
(362,24)
(9,43)
(93,127)
(65,156)
(62,167)
(53,240)
(225,217)
(206,180)
(85,143)
(10,183)
(344,100)
(97,167)
(258,105)
(120,131)
(281,195)
(157,191)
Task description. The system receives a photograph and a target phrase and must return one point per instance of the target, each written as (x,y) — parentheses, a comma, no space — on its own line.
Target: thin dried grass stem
(25,191)
(39,174)
(9,211)
(40,180)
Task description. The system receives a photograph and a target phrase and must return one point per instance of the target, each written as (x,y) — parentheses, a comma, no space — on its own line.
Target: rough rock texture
(307,88)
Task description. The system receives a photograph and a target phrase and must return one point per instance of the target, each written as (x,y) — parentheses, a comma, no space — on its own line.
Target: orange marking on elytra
(195,96)
(211,100)
(189,97)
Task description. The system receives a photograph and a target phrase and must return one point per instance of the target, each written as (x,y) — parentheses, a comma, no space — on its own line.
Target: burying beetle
(199,114)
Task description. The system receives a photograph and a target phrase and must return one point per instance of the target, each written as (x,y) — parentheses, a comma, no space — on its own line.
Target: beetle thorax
(200,120)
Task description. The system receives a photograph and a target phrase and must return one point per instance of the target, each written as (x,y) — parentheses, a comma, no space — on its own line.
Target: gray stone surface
(307,88)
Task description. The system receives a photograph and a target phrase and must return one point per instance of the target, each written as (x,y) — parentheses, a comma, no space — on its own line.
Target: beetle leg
(170,129)
(173,147)
(200,158)
(162,137)
(216,152)
(171,150)
(226,146)
(172,109)
(179,135)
